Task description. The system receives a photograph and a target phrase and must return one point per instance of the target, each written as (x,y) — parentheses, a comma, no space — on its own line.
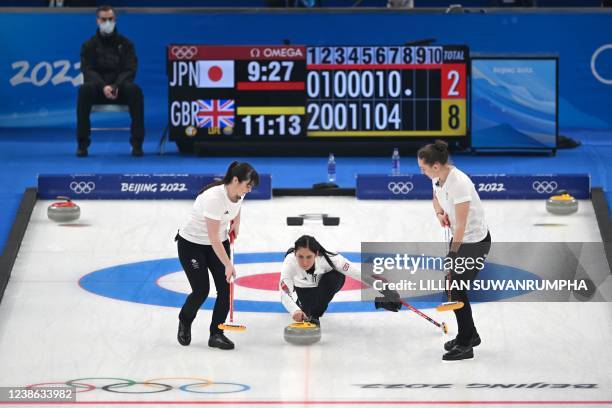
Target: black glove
(390,301)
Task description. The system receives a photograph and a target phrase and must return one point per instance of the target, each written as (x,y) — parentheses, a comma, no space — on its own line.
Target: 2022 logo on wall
(45,72)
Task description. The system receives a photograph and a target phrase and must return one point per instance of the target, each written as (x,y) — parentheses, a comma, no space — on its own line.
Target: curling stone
(562,203)
(63,211)
(302,333)
(327,220)
(587,294)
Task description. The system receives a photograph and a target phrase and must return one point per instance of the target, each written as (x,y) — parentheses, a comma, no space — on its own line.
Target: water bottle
(395,163)
(331,168)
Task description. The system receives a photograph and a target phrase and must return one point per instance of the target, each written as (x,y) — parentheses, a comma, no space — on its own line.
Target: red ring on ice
(269,281)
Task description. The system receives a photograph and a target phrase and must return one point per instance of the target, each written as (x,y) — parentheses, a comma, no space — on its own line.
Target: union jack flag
(215,113)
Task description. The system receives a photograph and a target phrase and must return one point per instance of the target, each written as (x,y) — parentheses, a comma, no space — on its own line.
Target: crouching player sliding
(312,275)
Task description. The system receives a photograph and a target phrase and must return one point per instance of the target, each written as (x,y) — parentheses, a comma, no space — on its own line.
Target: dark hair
(309,242)
(436,152)
(105,7)
(242,171)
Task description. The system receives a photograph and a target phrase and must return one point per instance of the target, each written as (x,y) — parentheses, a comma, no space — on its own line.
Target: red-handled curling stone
(63,211)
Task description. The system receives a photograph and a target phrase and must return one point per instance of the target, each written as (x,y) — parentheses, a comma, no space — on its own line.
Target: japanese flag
(215,74)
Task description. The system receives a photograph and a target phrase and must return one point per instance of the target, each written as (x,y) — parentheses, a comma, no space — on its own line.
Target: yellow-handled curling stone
(562,203)
(302,333)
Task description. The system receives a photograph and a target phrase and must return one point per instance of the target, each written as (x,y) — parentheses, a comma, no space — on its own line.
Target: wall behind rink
(39,62)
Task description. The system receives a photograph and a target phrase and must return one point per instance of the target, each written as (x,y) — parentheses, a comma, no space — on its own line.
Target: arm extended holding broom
(453,245)
(213,233)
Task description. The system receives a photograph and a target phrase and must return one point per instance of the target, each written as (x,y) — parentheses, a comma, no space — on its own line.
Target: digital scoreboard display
(299,92)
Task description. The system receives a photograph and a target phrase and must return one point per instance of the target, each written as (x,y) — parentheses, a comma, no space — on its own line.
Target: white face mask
(107,27)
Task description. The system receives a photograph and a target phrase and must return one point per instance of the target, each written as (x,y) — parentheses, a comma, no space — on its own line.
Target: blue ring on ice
(137,282)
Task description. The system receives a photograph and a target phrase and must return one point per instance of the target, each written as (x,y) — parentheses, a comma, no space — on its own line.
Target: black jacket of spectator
(108,60)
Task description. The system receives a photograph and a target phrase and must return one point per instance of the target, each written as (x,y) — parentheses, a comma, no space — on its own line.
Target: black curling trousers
(197,260)
(314,301)
(465,321)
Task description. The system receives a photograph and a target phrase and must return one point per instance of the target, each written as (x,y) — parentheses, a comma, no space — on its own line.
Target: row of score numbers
(354,116)
(375,55)
(355,84)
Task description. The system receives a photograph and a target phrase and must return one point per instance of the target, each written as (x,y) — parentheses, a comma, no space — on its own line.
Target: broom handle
(447,238)
(232,302)
(410,307)
(417,311)
(232,236)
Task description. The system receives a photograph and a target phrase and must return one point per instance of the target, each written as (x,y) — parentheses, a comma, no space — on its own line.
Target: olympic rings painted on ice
(88,387)
(111,388)
(205,385)
(241,388)
(206,381)
(544,186)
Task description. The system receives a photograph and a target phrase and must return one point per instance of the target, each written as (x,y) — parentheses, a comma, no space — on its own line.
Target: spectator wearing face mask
(108,63)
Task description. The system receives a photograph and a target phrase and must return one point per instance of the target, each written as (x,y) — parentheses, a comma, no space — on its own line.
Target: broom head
(448,306)
(232,327)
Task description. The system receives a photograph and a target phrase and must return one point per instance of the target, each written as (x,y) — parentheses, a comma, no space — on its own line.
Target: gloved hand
(390,301)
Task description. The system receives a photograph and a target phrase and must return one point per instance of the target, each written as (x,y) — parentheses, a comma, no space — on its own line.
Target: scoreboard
(300,93)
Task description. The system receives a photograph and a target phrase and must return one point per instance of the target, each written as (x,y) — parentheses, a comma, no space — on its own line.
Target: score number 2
(454,77)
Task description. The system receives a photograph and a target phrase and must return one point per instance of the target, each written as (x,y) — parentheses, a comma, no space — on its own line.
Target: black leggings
(197,260)
(314,301)
(465,321)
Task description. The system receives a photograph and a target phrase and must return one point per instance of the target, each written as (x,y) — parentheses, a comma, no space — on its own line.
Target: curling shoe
(220,341)
(459,353)
(184,334)
(474,341)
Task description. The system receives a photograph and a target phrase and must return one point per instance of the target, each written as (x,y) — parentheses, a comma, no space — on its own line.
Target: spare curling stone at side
(302,333)
(331,220)
(63,211)
(295,221)
(562,203)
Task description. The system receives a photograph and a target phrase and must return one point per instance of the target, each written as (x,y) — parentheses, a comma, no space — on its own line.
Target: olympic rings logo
(152,386)
(184,52)
(594,71)
(82,187)
(542,187)
(400,187)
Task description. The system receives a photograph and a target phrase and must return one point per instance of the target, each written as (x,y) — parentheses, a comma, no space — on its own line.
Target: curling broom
(451,304)
(231,326)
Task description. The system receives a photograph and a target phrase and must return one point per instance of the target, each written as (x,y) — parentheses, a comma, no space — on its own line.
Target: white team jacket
(293,276)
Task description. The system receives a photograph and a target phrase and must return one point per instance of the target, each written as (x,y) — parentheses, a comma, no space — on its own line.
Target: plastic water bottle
(331,168)
(395,163)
